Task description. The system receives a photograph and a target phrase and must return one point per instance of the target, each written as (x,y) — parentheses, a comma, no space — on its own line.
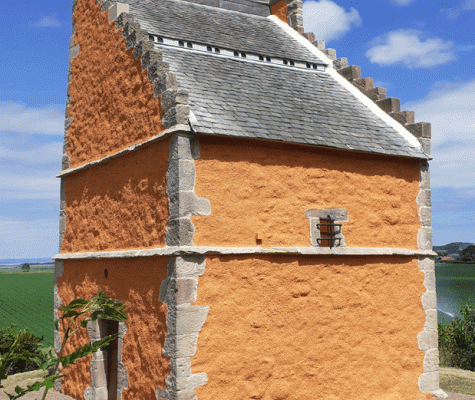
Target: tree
(25,267)
(468,254)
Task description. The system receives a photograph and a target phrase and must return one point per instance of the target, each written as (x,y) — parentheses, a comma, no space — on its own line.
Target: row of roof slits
(240,55)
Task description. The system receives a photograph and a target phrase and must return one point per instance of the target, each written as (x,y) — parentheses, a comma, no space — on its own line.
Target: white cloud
(48,22)
(327,20)
(16,117)
(412,49)
(47,154)
(453,12)
(450,108)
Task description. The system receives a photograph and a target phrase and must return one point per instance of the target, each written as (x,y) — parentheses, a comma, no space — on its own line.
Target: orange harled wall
(112,102)
(136,282)
(280,10)
(256,187)
(121,204)
(310,328)
(116,205)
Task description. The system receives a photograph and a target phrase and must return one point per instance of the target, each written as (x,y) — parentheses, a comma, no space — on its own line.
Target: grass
(457,380)
(26,300)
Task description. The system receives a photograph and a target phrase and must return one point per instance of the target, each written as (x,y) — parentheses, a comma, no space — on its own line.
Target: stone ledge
(204,250)
(161,136)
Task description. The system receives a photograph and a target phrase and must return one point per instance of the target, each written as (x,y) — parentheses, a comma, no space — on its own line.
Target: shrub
(28,347)
(79,313)
(457,340)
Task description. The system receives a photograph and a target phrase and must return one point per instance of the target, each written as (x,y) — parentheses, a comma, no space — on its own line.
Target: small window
(181,43)
(329,229)
(326,228)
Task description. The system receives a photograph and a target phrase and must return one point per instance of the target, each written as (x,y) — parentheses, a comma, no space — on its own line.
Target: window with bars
(326,227)
(329,229)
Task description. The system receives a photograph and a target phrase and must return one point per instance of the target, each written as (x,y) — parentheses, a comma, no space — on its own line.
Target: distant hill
(452,248)
(15,261)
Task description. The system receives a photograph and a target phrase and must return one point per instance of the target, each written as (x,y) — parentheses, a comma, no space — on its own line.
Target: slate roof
(217,27)
(246,99)
(242,98)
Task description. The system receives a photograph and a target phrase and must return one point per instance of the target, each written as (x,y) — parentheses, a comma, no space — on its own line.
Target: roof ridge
(174,101)
(198,5)
(417,135)
(391,105)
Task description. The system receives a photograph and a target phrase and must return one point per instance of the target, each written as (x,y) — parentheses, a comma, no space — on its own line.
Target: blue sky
(422,51)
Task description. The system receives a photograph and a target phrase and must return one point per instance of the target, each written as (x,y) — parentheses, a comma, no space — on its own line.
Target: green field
(455,284)
(26,300)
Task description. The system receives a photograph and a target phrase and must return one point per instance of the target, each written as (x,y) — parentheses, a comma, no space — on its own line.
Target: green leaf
(96,314)
(70,314)
(19,390)
(84,323)
(87,349)
(77,303)
(56,324)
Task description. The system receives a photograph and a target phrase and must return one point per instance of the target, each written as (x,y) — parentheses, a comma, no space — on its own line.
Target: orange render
(267,189)
(279,9)
(124,206)
(136,282)
(310,328)
(112,102)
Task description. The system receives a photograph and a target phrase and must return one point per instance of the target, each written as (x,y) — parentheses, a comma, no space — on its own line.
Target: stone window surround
(337,214)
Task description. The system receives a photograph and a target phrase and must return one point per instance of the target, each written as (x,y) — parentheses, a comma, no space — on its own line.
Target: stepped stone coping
(174,129)
(347,85)
(205,250)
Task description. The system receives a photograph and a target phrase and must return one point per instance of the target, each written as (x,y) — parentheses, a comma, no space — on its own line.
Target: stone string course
(391,105)
(206,251)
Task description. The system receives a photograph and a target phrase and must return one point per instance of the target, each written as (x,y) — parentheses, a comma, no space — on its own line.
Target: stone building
(261,209)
